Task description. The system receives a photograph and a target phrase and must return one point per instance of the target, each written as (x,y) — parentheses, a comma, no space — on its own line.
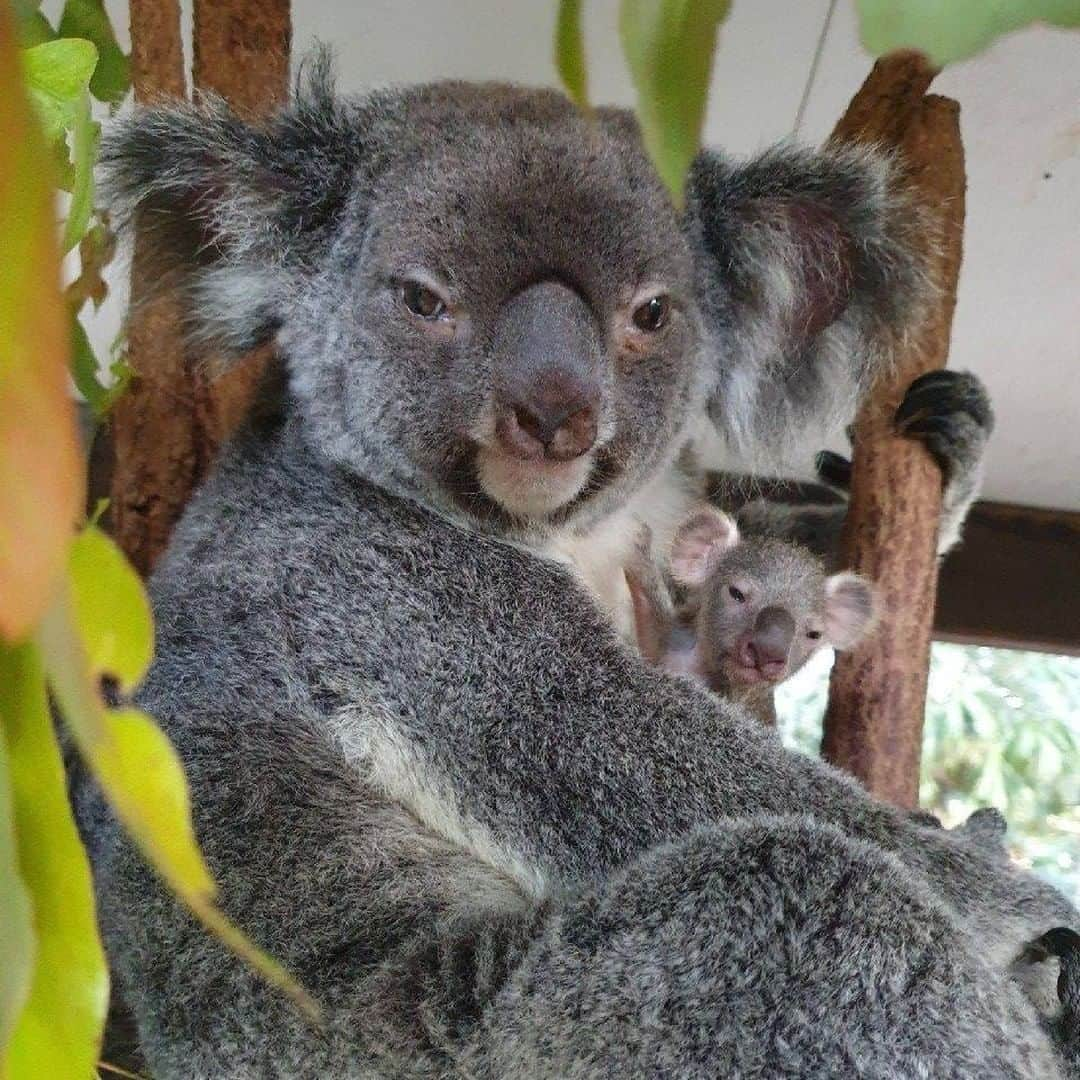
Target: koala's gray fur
(426,772)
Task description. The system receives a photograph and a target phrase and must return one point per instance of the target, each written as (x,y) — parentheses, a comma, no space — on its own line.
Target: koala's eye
(422,301)
(653,314)
(736,594)
(813,635)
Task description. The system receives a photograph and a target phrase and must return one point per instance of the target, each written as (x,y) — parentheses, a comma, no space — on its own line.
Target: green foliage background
(1002,729)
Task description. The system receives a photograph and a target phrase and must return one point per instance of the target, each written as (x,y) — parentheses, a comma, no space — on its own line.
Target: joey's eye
(736,594)
(653,314)
(813,635)
(422,301)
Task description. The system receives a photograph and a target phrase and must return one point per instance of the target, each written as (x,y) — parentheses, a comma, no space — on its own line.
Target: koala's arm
(950,413)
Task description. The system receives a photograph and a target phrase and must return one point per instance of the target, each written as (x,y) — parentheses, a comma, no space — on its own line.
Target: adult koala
(427,773)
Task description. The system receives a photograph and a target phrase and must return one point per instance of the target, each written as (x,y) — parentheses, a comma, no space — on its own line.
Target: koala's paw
(833,470)
(950,413)
(1065,1028)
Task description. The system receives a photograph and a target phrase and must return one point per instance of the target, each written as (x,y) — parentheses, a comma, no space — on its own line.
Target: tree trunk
(167,428)
(241,51)
(158,454)
(877,696)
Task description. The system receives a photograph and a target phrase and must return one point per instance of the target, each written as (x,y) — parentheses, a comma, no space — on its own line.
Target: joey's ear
(810,265)
(229,210)
(850,609)
(699,541)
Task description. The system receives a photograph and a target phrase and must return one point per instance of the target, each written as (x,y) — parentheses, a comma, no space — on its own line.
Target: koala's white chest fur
(599,556)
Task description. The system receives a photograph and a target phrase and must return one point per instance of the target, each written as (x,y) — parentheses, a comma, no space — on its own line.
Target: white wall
(1018,317)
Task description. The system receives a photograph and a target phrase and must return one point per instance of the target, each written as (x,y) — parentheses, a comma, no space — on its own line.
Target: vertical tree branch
(241,52)
(157,445)
(877,696)
(166,430)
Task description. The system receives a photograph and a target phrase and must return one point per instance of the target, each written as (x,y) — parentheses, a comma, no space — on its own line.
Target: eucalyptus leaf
(86,133)
(58,1032)
(570,51)
(57,75)
(84,369)
(950,30)
(17,942)
(111,610)
(31,27)
(88,19)
(41,470)
(132,760)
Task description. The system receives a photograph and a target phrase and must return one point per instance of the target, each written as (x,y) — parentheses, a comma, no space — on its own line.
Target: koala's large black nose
(557,421)
(547,393)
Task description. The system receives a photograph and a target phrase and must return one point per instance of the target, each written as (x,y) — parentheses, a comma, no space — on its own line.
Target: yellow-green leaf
(88,19)
(669,46)
(111,609)
(58,1032)
(41,472)
(58,75)
(570,51)
(142,778)
(949,30)
(85,134)
(16,917)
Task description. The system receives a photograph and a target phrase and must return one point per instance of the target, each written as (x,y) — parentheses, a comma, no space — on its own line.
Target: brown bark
(241,51)
(167,428)
(157,454)
(877,696)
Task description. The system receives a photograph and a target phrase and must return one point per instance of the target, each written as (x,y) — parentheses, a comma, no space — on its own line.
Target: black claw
(931,426)
(833,469)
(1065,945)
(945,393)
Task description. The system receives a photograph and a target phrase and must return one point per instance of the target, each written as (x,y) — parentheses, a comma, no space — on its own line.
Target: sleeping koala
(426,772)
(751,611)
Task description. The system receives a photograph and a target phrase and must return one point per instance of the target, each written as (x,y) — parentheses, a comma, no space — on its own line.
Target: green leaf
(17,944)
(59,1030)
(88,19)
(84,367)
(111,610)
(58,75)
(31,27)
(84,143)
(137,768)
(950,30)
(570,52)
(669,46)
(41,468)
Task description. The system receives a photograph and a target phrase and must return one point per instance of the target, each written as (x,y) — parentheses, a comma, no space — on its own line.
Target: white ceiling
(1018,317)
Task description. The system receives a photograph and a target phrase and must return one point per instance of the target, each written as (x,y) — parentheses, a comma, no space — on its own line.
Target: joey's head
(484,299)
(763,606)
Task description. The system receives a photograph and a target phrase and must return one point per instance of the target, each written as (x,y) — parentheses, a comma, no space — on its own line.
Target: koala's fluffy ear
(811,266)
(699,541)
(230,209)
(850,609)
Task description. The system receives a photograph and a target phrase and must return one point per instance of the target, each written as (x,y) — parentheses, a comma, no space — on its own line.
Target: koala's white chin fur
(531,489)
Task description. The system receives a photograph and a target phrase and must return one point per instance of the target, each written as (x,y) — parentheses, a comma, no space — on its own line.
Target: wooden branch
(877,697)
(241,51)
(166,430)
(157,455)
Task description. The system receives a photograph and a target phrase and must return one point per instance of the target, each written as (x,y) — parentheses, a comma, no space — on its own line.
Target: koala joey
(426,773)
(751,611)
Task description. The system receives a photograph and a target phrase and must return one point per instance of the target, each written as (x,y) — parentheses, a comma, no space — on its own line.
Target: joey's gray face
(515,313)
(764,611)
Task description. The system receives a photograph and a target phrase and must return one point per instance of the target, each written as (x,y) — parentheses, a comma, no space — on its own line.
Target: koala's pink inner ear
(699,541)
(850,609)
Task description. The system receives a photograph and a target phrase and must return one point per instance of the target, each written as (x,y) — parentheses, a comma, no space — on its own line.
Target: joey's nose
(769,662)
(559,425)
